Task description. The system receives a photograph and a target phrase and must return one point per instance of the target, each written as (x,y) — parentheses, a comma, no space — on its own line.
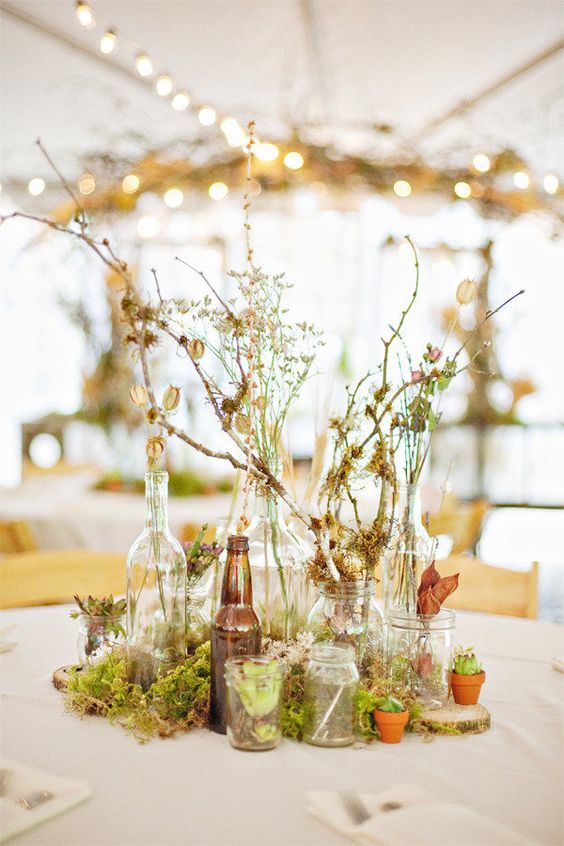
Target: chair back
(462,520)
(15,536)
(493,590)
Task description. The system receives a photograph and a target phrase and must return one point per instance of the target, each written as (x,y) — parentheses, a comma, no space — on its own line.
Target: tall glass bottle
(409,552)
(156,591)
(236,627)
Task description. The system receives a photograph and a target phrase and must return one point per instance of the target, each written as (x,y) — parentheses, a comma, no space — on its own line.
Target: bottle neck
(236,588)
(409,503)
(156,500)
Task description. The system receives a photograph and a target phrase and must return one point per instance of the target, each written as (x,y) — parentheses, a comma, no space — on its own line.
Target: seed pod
(171,398)
(138,395)
(260,402)
(242,424)
(154,448)
(196,349)
(466,291)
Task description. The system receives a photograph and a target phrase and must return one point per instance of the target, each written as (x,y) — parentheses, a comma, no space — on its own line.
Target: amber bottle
(236,627)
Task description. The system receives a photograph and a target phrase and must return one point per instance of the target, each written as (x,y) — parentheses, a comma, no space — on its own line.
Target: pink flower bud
(416,376)
(434,354)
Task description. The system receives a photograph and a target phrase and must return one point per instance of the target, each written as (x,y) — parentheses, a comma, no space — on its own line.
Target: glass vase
(254,701)
(282,591)
(420,652)
(97,636)
(198,620)
(347,612)
(156,591)
(409,552)
(330,685)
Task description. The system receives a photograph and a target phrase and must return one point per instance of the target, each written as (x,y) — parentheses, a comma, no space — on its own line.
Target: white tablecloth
(196,790)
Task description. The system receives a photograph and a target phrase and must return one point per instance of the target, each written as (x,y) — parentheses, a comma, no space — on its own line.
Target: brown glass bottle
(236,627)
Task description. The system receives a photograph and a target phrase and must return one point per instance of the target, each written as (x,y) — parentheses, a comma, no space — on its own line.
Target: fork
(29,802)
(354,807)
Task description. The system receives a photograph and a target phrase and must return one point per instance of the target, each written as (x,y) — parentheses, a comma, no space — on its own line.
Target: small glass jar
(99,635)
(419,653)
(254,700)
(198,621)
(347,612)
(330,685)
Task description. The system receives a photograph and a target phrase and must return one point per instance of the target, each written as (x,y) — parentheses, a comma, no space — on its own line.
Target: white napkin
(558,664)
(22,782)
(420,821)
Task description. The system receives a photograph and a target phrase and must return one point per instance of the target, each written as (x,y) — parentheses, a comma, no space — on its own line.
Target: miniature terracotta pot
(391,724)
(466,689)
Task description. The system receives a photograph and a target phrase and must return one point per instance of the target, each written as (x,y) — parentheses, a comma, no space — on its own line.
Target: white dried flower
(197,349)
(154,448)
(171,398)
(466,291)
(138,395)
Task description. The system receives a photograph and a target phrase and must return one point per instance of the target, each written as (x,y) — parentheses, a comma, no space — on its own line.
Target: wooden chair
(15,536)
(493,590)
(53,577)
(462,520)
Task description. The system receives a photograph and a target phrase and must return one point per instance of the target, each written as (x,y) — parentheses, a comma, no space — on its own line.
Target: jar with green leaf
(254,699)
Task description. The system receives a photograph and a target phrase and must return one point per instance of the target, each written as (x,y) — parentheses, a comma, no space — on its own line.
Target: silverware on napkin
(29,802)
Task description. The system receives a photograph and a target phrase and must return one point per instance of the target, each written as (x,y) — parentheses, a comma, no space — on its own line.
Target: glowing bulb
(36,186)
(462,190)
(144,65)
(173,198)
(218,190)
(551,183)
(267,152)
(84,15)
(402,188)
(130,183)
(207,116)
(180,101)
(481,163)
(86,183)
(521,180)
(108,42)
(294,161)
(148,226)
(164,85)
(234,135)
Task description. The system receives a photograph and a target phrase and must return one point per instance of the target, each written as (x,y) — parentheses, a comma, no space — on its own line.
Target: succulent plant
(466,663)
(259,689)
(391,705)
(102,618)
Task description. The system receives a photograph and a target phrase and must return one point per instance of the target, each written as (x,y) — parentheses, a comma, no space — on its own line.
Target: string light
(218,191)
(234,134)
(148,226)
(87,184)
(130,183)
(481,163)
(402,188)
(267,152)
(36,186)
(207,116)
(180,101)
(521,180)
(85,15)
(108,42)
(294,161)
(144,65)
(551,183)
(462,190)
(163,85)
(174,198)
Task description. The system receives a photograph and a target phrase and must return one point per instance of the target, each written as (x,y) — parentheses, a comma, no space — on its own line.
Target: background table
(196,790)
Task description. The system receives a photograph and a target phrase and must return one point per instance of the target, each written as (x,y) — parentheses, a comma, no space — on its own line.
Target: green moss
(292,714)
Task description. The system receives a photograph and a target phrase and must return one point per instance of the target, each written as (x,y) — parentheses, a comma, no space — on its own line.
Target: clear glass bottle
(156,591)
(420,652)
(235,628)
(198,620)
(282,591)
(409,552)
(254,701)
(99,635)
(330,685)
(347,612)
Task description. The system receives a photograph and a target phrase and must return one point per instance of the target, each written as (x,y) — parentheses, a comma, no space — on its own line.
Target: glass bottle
(409,552)
(330,685)
(347,612)
(156,591)
(235,628)
(420,652)
(283,593)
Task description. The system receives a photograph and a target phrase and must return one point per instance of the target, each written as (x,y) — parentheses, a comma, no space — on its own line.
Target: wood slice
(464,719)
(61,676)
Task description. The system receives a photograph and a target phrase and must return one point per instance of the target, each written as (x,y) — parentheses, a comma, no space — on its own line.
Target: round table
(196,790)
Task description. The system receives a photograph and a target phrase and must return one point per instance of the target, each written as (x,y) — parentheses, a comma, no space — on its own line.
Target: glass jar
(99,635)
(330,685)
(254,701)
(281,589)
(156,591)
(409,552)
(198,621)
(420,651)
(347,612)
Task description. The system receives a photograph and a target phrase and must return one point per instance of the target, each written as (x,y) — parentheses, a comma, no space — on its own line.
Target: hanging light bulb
(173,198)
(294,161)
(462,190)
(86,184)
(207,116)
(130,183)
(481,163)
(36,186)
(402,188)
(85,15)
(144,65)
(521,180)
(180,101)
(267,152)
(218,190)
(551,183)
(164,85)
(234,134)
(108,42)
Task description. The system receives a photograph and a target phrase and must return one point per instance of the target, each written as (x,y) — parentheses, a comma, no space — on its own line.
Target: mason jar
(419,652)
(330,685)
(254,700)
(97,636)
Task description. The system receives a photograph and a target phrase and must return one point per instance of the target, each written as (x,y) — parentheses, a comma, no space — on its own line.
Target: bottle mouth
(156,475)
(329,652)
(412,621)
(235,668)
(238,543)
(348,590)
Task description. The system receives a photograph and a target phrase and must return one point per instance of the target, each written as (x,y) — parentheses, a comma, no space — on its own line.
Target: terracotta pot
(466,689)
(391,724)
